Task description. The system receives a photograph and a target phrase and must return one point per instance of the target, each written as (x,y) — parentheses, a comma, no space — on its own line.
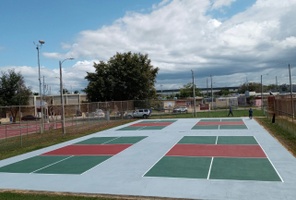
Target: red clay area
(221,123)
(206,150)
(105,149)
(153,124)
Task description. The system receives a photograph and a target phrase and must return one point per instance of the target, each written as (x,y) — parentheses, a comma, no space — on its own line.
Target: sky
(232,41)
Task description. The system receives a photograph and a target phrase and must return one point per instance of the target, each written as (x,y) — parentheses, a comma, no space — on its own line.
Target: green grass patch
(283,130)
(209,114)
(13,146)
(50,196)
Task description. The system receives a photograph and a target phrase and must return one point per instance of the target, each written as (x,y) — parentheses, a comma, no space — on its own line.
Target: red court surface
(148,125)
(217,150)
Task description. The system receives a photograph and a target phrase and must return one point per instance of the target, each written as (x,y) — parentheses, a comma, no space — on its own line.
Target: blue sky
(233,40)
(55,22)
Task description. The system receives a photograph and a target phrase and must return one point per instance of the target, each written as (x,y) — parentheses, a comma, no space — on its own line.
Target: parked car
(99,113)
(30,118)
(140,113)
(181,109)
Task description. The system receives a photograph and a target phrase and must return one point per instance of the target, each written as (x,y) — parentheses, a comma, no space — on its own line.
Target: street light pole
(62,95)
(193,88)
(261,94)
(291,92)
(212,95)
(41,42)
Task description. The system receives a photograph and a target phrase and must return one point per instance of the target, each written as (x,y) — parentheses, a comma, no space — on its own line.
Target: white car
(99,113)
(181,109)
(140,113)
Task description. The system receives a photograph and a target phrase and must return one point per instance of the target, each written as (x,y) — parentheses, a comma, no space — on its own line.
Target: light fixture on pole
(41,42)
(62,95)
(193,88)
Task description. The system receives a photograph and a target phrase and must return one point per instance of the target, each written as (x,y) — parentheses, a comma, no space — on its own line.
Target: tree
(127,76)
(223,92)
(13,91)
(250,87)
(66,91)
(187,91)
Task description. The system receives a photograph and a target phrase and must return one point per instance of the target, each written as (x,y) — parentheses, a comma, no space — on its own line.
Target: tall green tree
(250,87)
(13,91)
(126,76)
(187,91)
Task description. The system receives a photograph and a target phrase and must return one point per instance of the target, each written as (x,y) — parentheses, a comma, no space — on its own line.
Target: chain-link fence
(24,120)
(281,110)
(79,119)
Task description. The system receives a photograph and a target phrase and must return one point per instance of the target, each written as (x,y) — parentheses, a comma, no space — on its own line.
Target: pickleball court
(174,158)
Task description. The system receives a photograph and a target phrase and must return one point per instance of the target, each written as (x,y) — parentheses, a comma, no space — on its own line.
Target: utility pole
(212,99)
(262,106)
(207,87)
(291,92)
(193,88)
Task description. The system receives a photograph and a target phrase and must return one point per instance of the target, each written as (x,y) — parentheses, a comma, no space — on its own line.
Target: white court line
(219,125)
(216,142)
(111,140)
(269,160)
(52,164)
(210,169)
(161,157)
(95,165)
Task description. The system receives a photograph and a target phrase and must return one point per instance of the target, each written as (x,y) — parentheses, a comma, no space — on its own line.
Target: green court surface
(81,163)
(216,167)
(232,127)
(148,125)
(210,120)
(31,164)
(218,140)
(138,128)
(112,140)
(231,120)
(259,169)
(182,167)
(198,140)
(48,163)
(233,123)
(236,140)
(205,127)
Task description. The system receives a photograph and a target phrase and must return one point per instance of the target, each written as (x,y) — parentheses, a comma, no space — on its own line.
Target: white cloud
(221,3)
(179,36)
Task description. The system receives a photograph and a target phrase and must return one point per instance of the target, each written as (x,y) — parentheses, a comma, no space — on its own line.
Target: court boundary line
(275,169)
(217,138)
(111,140)
(143,176)
(96,165)
(51,164)
(210,168)
(219,125)
(212,160)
